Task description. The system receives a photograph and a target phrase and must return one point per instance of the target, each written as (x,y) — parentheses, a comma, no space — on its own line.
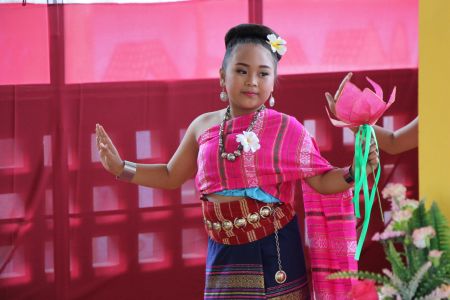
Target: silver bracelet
(129,170)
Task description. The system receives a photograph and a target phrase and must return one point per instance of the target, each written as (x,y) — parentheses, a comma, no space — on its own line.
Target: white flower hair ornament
(277,44)
(249,140)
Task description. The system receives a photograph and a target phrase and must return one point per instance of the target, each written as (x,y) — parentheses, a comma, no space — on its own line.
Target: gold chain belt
(245,220)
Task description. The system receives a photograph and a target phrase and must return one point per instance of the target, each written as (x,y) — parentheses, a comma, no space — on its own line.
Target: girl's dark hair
(248,34)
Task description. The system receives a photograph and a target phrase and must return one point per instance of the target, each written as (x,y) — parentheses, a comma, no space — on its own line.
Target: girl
(247,160)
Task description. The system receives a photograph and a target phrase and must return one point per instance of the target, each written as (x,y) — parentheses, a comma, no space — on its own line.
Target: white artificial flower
(396,192)
(249,140)
(402,215)
(422,236)
(277,44)
(409,204)
(387,291)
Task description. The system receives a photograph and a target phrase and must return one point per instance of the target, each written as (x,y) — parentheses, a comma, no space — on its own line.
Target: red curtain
(124,241)
(68,229)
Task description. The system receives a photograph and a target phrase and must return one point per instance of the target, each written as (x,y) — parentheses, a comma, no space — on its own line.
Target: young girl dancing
(247,160)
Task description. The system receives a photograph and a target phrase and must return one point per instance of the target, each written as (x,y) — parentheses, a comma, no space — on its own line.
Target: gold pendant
(280,276)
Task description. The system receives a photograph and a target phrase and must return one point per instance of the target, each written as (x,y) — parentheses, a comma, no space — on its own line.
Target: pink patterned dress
(287,156)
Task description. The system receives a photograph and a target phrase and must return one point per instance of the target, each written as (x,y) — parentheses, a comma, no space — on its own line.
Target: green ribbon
(362,149)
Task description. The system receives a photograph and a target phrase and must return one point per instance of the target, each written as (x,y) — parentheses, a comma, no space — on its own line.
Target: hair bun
(243,31)
(249,31)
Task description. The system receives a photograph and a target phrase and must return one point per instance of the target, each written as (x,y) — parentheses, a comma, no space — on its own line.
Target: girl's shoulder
(206,121)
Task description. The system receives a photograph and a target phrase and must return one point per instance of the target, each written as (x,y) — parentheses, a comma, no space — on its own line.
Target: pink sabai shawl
(287,154)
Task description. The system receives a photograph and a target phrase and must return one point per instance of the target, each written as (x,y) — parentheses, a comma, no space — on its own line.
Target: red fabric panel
(126,242)
(110,42)
(184,40)
(24,53)
(337,36)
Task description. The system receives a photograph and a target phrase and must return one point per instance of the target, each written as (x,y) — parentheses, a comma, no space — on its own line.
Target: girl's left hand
(372,161)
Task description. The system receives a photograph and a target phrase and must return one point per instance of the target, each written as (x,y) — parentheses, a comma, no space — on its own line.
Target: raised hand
(109,156)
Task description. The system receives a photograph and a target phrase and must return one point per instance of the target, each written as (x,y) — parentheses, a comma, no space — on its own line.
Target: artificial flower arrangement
(417,245)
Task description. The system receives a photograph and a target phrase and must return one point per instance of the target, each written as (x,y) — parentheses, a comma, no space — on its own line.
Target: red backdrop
(69,230)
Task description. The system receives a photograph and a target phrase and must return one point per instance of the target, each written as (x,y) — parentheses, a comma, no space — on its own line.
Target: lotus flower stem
(362,149)
(379,200)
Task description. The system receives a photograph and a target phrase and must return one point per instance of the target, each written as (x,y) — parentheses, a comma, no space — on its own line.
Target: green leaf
(433,279)
(398,266)
(360,275)
(417,257)
(436,219)
(418,218)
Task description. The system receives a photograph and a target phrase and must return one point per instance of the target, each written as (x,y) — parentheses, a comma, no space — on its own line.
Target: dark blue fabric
(263,252)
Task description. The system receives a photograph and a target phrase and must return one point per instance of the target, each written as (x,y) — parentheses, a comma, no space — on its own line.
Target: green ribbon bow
(362,149)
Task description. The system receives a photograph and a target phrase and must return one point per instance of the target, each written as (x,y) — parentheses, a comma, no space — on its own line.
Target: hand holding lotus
(373,160)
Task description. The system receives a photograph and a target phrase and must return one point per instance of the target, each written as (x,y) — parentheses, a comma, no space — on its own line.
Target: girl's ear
(222,77)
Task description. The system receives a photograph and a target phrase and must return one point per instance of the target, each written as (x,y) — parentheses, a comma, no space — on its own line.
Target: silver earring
(271,101)
(223,96)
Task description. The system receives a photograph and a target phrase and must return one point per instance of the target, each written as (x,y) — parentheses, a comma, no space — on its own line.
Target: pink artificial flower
(388,233)
(409,204)
(435,254)
(391,234)
(364,290)
(396,193)
(355,107)
(402,215)
(376,237)
(394,190)
(422,236)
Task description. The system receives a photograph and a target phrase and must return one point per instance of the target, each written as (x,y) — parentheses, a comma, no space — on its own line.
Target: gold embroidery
(302,294)
(251,236)
(244,207)
(235,281)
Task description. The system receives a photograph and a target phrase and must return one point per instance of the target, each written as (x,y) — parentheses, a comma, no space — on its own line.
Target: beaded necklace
(231,156)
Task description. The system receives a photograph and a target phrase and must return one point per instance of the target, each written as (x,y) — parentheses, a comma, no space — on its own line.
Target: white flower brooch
(249,141)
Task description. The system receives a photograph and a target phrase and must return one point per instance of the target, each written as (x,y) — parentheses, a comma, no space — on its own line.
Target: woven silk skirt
(247,271)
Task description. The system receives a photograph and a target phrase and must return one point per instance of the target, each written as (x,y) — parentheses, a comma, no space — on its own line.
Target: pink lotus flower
(354,107)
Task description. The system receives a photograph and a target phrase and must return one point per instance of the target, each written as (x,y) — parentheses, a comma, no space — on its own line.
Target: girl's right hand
(109,156)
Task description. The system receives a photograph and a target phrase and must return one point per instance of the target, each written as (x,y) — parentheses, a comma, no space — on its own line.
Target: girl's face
(249,78)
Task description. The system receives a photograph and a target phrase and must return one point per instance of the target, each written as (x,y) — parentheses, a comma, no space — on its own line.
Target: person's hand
(109,156)
(372,161)
(332,100)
